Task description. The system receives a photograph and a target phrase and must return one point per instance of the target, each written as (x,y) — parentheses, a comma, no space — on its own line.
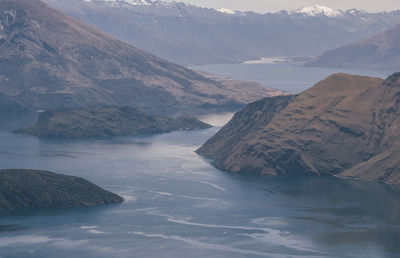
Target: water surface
(286,76)
(177,205)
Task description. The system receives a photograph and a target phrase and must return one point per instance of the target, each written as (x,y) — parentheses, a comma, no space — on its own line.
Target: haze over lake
(287,76)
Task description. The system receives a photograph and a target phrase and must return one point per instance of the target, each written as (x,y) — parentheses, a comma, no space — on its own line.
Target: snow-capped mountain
(226,10)
(318,10)
(188,34)
(129,2)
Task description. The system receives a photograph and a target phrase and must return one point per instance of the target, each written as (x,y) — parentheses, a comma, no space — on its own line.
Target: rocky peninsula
(345,125)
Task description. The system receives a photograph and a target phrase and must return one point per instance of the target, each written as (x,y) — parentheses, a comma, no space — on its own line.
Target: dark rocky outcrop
(49,60)
(106,121)
(345,125)
(31,189)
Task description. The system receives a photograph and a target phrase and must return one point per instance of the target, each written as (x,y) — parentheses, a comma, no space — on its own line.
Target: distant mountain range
(188,34)
(381,51)
(345,125)
(49,60)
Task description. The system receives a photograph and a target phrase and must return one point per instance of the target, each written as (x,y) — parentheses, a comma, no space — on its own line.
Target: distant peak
(129,2)
(355,11)
(225,10)
(318,10)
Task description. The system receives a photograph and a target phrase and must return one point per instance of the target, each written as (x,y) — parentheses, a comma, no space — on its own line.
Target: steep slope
(245,122)
(32,189)
(188,34)
(379,52)
(49,60)
(344,124)
(106,121)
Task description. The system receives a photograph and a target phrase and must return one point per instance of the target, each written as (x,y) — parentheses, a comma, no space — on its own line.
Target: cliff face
(49,60)
(344,125)
(106,121)
(30,189)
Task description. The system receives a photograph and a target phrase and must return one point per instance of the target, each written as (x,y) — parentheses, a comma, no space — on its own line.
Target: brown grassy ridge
(345,125)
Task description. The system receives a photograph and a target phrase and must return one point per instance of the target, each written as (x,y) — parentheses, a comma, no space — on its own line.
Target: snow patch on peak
(129,2)
(356,12)
(225,10)
(137,2)
(318,10)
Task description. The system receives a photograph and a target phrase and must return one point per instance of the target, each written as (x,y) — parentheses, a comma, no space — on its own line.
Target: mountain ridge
(378,52)
(192,35)
(312,10)
(52,61)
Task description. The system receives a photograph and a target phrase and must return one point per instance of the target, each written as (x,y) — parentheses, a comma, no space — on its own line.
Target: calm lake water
(177,205)
(286,76)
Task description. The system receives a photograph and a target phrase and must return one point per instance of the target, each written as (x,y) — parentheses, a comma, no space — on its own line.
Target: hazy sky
(275,5)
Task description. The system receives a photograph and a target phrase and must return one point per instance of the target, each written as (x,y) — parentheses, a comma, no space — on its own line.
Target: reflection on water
(177,205)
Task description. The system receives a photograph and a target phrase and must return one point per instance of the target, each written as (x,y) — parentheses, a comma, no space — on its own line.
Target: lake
(286,76)
(177,205)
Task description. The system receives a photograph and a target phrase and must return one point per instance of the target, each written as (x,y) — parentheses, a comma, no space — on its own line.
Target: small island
(106,121)
(32,189)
